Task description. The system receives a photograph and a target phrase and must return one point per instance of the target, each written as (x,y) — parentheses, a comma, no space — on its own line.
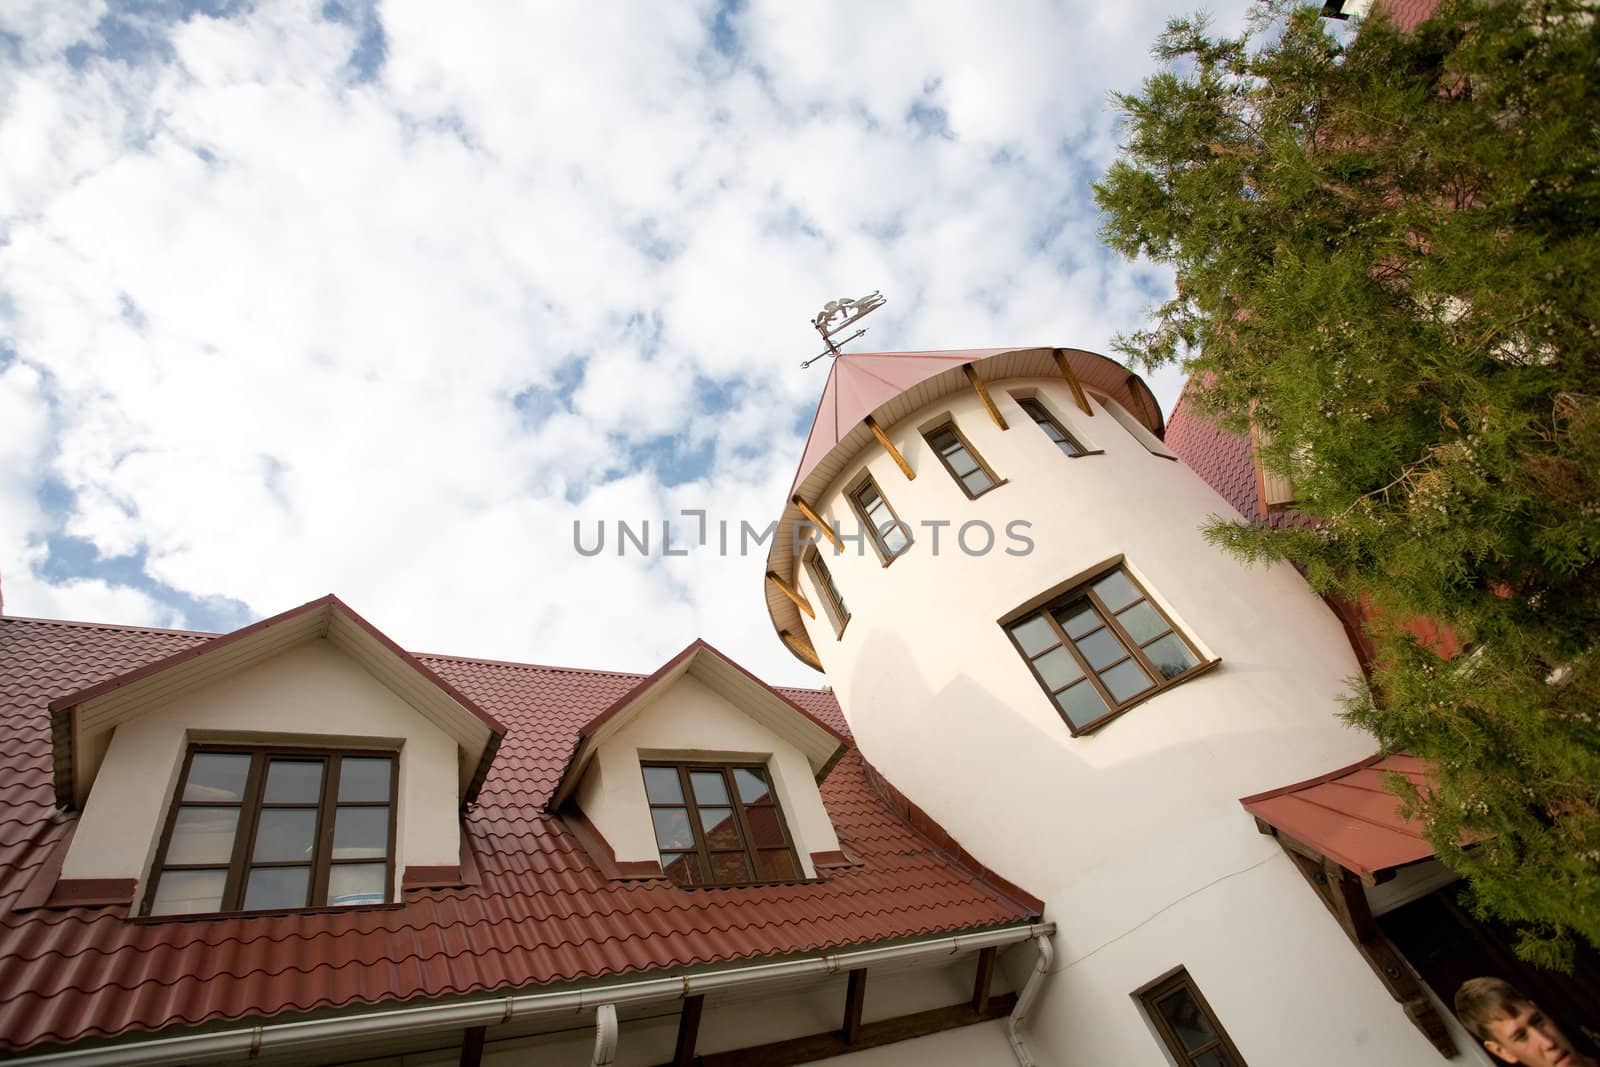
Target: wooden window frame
(1027,401)
(1081,587)
(853,494)
(1150,996)
(746,836)
(949,424)
(827,590)
(250,806)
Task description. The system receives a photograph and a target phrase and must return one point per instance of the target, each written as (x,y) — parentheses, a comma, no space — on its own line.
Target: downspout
(605,1036)
(1030,993)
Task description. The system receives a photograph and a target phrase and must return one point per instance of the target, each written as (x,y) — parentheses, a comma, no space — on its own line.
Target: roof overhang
(820,743)
(888,386)
(1349,816)
(81,723)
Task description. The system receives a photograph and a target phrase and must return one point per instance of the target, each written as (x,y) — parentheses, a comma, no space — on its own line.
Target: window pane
(1067,446)
(1035,635)
(709,787)
(719,828)
(961,461)
(1143,622)
(1215,1058)
(1126,680)
(357,883)
(1186,1020)
(868,497)
(203,835)
(294,781)
(661,785)
(672,828)
(1101,649)
(1171,656)
(277,887)
(364,779)
(1081,704)
(216,776)
(189,892)
(1117,591)
(285,834)
(729,867)
(682,867)
(752,784)
(776,865)
(895,539)
(1058,668)
(977,482)
(361,833)
(765,826)
(1078,619)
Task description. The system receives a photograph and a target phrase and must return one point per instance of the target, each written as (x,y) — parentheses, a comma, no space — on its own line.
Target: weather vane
(847,312)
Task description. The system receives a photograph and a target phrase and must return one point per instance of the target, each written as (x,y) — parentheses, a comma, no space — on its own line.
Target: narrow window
(1101,648)
(718,825)
(961,460)
(1186,1023)
(828,592)
(270,829)
(889,535)
(1052,429)
(1141,433)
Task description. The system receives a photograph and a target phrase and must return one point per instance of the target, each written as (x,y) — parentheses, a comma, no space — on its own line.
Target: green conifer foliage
(1387,249)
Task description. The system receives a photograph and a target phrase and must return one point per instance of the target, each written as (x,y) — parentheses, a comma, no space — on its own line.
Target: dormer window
(260,829)
(718,824)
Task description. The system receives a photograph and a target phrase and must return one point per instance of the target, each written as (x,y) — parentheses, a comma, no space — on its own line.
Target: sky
(380,298)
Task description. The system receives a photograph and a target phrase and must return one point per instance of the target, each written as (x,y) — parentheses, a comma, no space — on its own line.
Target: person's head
(1511,1026)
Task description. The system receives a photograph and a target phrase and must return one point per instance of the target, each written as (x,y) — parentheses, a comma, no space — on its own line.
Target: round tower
(1040,649)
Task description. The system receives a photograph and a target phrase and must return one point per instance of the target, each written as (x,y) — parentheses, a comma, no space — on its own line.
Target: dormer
(704,775)
(303,761)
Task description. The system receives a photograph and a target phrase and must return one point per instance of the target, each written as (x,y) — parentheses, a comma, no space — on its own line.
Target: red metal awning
(1348,816)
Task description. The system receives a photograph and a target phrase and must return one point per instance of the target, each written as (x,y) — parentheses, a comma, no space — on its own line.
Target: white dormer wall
(687,720)
(310,696)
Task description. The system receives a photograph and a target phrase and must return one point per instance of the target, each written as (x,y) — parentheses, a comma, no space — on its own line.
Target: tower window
(1186,1023)
(889,535)
(718,824)
(272,829)
(828,592)
(1101,648)
(962,460)
(1051,427)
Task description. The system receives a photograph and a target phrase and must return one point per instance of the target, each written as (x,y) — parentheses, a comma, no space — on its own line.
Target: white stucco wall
(1133,834)
(688,721)
(310,695)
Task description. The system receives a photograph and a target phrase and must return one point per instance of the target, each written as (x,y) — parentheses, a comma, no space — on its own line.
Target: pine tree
(1388,263)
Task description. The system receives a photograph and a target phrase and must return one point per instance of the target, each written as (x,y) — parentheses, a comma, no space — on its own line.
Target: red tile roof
(1348,816)
(542,912)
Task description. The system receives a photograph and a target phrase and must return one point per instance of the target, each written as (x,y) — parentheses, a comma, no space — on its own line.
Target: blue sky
(378,298)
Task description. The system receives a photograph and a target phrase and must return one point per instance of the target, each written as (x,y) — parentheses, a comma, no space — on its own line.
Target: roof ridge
(519,665)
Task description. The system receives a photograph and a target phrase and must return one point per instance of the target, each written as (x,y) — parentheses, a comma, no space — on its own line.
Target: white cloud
(266,322)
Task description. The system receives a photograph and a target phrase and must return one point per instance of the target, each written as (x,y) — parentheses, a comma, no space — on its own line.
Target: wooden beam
(984,979)
(983,394)
(888,446)
(472,1047)
(1065,367)
(1138,398)
(792,593)
(1341,893)
(855,998)
(816,520)
(873,1035)
(688,1030)
(801,648)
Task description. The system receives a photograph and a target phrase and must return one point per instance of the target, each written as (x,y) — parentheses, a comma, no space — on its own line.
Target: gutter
(249,1042)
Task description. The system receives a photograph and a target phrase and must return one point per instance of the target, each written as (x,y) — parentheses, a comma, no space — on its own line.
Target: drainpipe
(1025,999)
(605,1035)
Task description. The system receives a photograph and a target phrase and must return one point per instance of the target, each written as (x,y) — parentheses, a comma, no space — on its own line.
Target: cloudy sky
(377,298)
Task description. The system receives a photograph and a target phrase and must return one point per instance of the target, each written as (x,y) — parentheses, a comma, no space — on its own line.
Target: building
(1012,831)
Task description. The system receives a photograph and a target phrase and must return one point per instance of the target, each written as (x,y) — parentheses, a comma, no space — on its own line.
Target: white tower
(1046,655)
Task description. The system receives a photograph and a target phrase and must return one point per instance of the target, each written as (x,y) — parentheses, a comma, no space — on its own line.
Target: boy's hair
(1481,1001)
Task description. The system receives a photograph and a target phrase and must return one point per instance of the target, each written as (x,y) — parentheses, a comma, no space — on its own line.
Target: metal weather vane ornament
(847,311)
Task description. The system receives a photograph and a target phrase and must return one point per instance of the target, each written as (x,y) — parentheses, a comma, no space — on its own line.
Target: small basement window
(719,824)
(266,829)
(1186,1024)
